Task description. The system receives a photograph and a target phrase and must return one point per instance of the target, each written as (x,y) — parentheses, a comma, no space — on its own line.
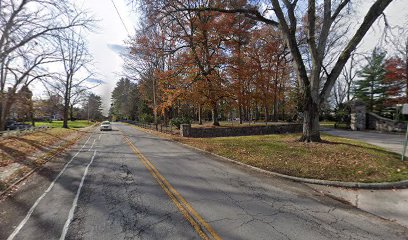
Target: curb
(355,185)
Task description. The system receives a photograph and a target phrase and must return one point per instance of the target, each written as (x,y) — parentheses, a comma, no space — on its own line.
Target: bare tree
(19,70)
(75,59)
(25,21)
(26,29)
(78,95)
(342,90)
(286,16)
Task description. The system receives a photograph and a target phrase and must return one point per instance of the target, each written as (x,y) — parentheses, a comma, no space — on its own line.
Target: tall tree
(343,89)
(27,27)
(75,59)
(125,100)
(93,106)
(396,81)
(315,88)
(196,37)
(370,88)
(397,66)
(23,107)
(20,69)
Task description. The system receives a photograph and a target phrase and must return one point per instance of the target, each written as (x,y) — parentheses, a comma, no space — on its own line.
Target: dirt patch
(20,155)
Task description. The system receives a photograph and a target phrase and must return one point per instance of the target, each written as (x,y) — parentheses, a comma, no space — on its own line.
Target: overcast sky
(105,42)
(111,34)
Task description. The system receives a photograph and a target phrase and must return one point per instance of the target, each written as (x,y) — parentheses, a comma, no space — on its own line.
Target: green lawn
(329,124)
(71,124)
(335,159)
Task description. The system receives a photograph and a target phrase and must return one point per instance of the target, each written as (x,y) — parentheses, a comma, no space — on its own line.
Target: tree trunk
(71,113)
(275,95)
(311,125)
(215,115)
(3,114)
(266,113)
(200,121)
(66,110)
(240,114)
(5,109)
(275,108)
(65,120)
(256,112)
(32,117)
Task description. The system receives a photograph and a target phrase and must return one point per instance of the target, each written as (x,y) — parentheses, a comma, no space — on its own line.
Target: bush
(179,120)
(146,118)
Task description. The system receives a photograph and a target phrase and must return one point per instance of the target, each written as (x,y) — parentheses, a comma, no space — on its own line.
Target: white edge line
(75,202)
(30,212)
(92,145)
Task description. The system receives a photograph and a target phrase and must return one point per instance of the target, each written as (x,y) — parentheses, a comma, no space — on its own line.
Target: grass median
(336,159)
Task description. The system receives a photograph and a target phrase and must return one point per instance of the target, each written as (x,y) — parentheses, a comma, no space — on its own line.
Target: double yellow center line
(204,230)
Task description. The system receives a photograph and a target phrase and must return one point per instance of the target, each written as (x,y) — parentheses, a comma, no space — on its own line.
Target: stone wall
(187,131)
(376,122)
(358,116)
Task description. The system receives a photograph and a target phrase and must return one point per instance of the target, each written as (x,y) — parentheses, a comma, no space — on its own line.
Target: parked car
(17,125)
(106,126)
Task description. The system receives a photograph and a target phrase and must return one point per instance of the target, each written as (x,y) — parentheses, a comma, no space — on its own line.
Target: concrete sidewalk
(388,204)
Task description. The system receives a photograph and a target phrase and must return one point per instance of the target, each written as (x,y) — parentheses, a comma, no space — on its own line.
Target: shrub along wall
(187,131)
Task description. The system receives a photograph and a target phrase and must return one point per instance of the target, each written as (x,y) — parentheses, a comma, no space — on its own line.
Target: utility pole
(88,108)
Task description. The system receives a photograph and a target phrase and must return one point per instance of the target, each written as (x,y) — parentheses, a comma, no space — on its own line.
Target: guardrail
(22,131)
(159,127)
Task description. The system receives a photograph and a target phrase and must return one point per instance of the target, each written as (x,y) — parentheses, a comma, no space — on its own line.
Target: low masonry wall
(379,123)
(19,132)
(187,131)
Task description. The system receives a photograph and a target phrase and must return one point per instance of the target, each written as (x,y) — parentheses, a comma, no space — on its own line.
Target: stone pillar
(185,130)
(358,116)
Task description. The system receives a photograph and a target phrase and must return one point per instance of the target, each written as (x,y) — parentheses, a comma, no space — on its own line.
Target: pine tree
(370,88)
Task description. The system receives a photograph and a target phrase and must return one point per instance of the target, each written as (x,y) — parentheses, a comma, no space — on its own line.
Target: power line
(121,19)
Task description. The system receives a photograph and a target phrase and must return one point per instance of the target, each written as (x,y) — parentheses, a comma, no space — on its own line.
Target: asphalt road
(391,141)
(127,184)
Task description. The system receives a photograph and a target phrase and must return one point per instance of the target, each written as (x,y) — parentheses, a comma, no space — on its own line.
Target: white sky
(396,13)
(108,63)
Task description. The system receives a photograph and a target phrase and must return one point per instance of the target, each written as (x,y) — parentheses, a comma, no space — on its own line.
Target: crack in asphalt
(326,220)
(122,200)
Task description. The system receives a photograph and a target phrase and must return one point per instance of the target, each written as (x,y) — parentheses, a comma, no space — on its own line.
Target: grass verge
(335,159)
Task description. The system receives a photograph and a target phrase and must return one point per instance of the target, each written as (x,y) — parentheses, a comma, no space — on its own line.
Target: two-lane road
(127,184)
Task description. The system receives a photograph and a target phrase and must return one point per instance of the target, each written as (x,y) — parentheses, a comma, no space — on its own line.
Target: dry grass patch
(33,150)
(17,149)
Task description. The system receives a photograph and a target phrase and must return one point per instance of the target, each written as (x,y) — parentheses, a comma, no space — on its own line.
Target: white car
(106,126)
